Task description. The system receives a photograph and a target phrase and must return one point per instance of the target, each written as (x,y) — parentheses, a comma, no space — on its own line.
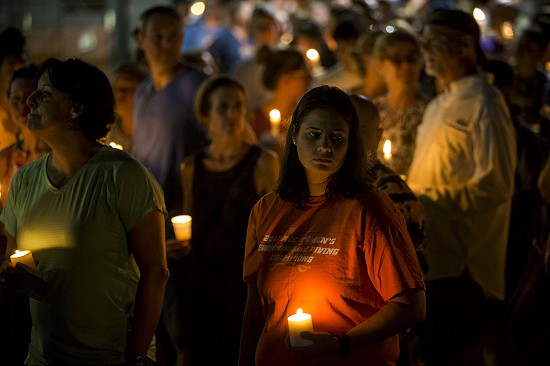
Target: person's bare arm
(146,241)
(397,315)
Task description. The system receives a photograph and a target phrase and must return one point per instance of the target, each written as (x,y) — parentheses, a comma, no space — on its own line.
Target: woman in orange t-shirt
(328,242)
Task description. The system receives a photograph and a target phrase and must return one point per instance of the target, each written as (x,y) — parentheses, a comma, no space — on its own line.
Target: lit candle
(298,323)
(387,150)
(116,146)
(182,227)
(23,257)
(314,58)
(275,122)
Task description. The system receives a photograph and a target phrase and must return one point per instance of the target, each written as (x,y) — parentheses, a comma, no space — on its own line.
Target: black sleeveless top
(222,202)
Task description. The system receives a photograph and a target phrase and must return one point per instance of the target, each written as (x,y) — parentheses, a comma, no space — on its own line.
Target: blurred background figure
(402,106)
(201,31)
(16,330)
(265,32)
(346,73)
(498,39)
(529,61)
(522,327)
(462,172)
(165,128)
(372,82)
(308,35)
(233,44)
(165,132)
(126,80)
(12,56)
(386,179)
(29,147)
(221,185)
(288,76)
(389,182)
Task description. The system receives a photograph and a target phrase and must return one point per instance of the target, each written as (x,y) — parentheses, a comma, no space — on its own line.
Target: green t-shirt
(78,235)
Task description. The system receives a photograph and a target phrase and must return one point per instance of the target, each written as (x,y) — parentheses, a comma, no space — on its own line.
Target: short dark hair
(355,175)
(281,62)
(25,72)
(132,71)
(88,87)
(210,85)
(462,22)
(157,10)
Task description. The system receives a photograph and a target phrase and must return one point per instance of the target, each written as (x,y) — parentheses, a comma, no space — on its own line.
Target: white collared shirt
(463,173)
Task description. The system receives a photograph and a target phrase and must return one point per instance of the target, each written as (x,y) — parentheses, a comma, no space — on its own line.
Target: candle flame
(299,311)
(275,115)
(312,54)
(116,146)
(20,253)
(387,148)
(181,219)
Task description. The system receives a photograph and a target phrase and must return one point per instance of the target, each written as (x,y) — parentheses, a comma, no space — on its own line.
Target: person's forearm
(147,309)
(393,318)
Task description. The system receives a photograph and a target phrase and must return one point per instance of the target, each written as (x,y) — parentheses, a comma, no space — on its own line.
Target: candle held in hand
(298,323)
(182,227)
(23,257)
(275,122)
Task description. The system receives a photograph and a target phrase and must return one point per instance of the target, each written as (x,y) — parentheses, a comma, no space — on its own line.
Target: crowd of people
(400,195)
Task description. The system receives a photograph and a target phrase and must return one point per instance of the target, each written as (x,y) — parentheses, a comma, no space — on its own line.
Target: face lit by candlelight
(322,142)
(50,109)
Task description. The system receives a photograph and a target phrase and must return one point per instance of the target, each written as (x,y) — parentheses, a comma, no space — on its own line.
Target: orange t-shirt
(338,259)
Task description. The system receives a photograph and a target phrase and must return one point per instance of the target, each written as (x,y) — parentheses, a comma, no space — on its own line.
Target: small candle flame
(275,122)
(20,253)
(299,311)
(116,146)
(312,54)
(275,115)
(387,149)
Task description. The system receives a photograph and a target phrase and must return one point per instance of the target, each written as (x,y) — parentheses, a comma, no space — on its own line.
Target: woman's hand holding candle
(23,257)
(322,344)
(297,324)
(177,249)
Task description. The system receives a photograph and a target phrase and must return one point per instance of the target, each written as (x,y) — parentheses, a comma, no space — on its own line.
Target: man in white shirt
(463,174)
